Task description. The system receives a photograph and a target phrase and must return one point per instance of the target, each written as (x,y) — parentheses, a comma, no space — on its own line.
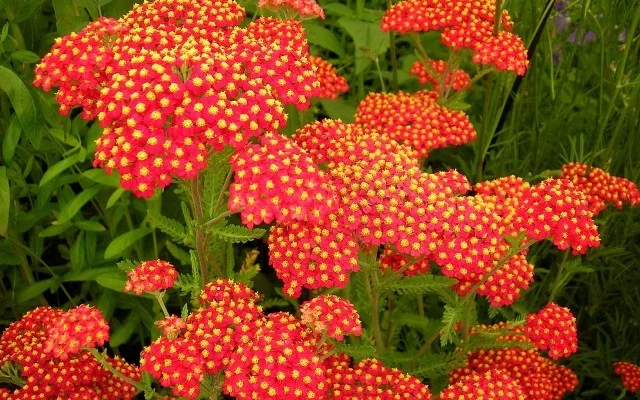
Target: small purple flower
(588,37)
(562,21)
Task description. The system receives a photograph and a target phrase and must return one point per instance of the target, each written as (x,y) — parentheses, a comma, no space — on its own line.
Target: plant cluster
(357,227)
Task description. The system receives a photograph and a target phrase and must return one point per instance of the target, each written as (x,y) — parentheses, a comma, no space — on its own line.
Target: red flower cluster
(277,180)
(78,328)
(151,276)
(369,379)
(306,8)
(537,376)
(331,84)
(64,371)
(463,24)
(492,384)
(555,209)
(174,77)
(415,120)
(456,79)
(228,318)
(553,328)
(171,326)
(600,187)
(331,315)
(630,374)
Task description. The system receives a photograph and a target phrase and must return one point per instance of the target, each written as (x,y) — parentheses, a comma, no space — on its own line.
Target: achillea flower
(312,256)
(224,290)
(278,362)
(78,328)
(554,329)
(493,384)
(538,377)
(630,374)
(463,24)
(174,78)
(370,379)
(151,276)
(456,79)
(399,262)
(415,120)
(331,84)
(600,187)
(555,209)
(306,8)
(505,51)
(175,363)
(40,344)
(171,326)
(332,316)
(278,181)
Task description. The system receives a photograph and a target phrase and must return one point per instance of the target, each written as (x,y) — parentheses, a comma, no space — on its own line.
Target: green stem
(622,395)
(218,218)
(557,283)
(498,18)
(225,185)
(375,311)
(100,358)
(201,240)
(426,348)
(158,296)
(377,62)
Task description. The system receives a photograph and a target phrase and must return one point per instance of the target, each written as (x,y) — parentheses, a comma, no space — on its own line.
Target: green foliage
(419,284)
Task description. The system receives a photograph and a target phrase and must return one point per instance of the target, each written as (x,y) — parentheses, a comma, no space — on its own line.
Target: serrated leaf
(420,284)
(274,302)
(171,227)
(124,241)
(452,315)
(238,234)
(177,252)
(357,351)
(435,365)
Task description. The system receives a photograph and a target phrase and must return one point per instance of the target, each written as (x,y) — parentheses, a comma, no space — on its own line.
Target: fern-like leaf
(238,233)
(357,351)
(420,284)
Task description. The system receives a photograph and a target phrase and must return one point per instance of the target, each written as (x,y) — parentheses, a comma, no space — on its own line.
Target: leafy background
(64,226)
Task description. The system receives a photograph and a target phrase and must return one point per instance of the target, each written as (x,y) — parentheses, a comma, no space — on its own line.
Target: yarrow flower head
(537,377)
(554,329)
(415,120)
(47,340)
(370,379)
(398,262)
(630,374)
(456,79)
(555,209)
(463,24)
(151,276)
(171,326)
(306,8)
(331,84)
(493,384)
(600,187)
(173,78)
(81,327)
(277,180)
(332,316)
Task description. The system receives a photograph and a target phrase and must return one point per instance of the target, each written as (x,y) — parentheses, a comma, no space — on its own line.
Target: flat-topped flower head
(331,315)
(370,379)
(305,8)
(555,209)
(554,329)
(277,180)
(79,328)
(278,362)
(415,120)
(600,187)
(224,290)
(151,276)
(312,256)
(331,84)
(456,79)
(630,375)
(493,384)
(463,24)
(171,326)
